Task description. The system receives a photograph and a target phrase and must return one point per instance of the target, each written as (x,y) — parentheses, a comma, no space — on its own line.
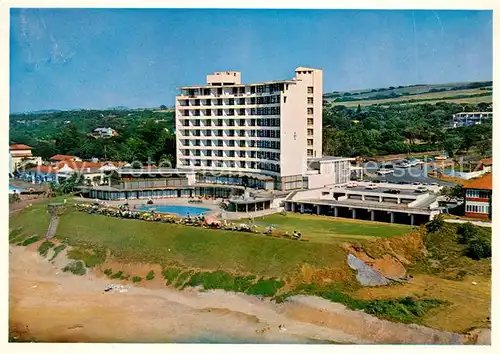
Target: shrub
(221,280)
(117,275)
(136,279)
(265,287)
(170,274)
(30,240)
(467,232)
(183,277)
(479,247)
(57,250)
(91,258)
(435,224)
(108,272)
(44,248)
(151,275)
(75,267)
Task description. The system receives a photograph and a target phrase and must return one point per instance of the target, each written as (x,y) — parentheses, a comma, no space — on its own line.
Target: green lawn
(192,247)
(326,229)
(142,241)
(33,220)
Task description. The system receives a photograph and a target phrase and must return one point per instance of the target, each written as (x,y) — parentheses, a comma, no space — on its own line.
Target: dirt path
(50,305)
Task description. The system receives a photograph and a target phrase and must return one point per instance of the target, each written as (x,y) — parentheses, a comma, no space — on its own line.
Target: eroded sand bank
(49,305)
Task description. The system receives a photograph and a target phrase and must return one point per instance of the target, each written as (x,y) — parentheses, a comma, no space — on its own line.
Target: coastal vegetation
(147,136)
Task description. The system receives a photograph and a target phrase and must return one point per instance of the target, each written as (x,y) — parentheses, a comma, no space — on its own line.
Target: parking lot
(403,175)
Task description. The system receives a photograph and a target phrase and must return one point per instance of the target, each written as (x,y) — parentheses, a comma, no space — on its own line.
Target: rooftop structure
(384,202)
(59,158)
(20,155)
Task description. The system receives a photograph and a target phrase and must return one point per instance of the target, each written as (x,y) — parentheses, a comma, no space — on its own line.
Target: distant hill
(463,92)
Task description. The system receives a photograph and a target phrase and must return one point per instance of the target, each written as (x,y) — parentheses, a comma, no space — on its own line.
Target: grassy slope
(326,229)
(429,96)
(141,241)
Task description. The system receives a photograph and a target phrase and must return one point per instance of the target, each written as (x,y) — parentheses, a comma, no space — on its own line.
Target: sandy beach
(49,305)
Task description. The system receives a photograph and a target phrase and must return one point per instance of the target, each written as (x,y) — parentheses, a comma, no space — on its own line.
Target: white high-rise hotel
(270,128)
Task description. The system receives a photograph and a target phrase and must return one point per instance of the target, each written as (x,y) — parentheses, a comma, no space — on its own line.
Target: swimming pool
(174,209)
(17,189)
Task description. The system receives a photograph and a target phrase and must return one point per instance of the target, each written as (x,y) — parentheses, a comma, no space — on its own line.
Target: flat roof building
(478,197)
(467,119)
(269,128)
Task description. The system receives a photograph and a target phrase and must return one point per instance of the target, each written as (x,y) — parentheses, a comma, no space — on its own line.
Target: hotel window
(219,153)
(310,89)
(310,131)
(284,97)
(310,100)
(219,143)
(260,89)
(242,164)
(197,142)
(230,143)
(231,153)
(310,111)
(235,90)
(241,133)
(219,91)
(219,122)
(219,102)
(220,133)
(208,112)
(231,123)
(241,101)
(252,100)
(197,153)
(241,123)
(252,89)
(231,112)
(196,102)
(208,122)
(209,163)
(242,153)
(309,142)
(231,132)
(241,111)
(209,153)
(206,92)
(310,121)
(231,101)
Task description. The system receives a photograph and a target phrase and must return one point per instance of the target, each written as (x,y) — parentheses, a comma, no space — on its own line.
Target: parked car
(417,183)
(393,191)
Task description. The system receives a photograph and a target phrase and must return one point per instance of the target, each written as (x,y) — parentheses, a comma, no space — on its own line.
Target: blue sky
(98,58)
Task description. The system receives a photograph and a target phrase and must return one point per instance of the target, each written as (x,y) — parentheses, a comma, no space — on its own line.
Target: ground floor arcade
(109,193)
(401,216)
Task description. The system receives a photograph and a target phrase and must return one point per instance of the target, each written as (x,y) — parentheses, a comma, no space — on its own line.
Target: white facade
(269,128)
(467,119)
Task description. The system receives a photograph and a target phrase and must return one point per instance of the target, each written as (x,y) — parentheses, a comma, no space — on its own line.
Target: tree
(69,184)
(163,106)
(435,224)
(484,147)
(466,233)
(455,192)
